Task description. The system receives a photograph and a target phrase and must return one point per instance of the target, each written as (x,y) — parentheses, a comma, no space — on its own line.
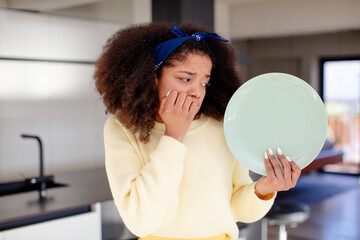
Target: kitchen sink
(27,185)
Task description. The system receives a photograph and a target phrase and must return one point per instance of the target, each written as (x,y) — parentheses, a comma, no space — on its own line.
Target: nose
(195,91)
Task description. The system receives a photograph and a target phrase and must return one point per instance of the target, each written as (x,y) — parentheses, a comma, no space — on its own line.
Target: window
(341,94)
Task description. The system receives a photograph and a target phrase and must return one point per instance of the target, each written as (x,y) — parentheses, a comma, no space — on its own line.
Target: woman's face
(190,76)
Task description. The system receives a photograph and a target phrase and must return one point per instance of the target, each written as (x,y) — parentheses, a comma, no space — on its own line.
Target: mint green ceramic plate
(275,110)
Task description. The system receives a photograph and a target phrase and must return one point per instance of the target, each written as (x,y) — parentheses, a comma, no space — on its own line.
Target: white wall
(264,18)
(297,55)
(56,101)
(124,11)
(3,3)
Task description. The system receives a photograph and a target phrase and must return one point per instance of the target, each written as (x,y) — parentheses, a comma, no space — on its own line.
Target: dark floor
(334,216)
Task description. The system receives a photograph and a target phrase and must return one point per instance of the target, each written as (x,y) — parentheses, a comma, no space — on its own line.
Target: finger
(187,103)
(275,165)
(268,166)
(286,166)
(162,104)
(167,94)
(180,100)
(196,101)
(171,99)
(194,108)
(296,171)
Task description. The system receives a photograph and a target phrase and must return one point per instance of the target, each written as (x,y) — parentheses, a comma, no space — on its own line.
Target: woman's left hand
(276,179)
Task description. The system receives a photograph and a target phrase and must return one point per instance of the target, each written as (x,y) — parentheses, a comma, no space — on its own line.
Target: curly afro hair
(125,73)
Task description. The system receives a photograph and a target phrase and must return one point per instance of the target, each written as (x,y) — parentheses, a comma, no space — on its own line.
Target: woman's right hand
(177,110)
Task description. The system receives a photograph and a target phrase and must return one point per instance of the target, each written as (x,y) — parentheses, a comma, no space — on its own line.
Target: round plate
(275,110)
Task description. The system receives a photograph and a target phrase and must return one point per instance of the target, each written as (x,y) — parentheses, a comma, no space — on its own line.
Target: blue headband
(163,50)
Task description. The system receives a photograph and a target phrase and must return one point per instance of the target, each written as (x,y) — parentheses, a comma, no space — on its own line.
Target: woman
(168,165)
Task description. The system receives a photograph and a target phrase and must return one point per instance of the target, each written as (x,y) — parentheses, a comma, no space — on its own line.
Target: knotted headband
(163,50)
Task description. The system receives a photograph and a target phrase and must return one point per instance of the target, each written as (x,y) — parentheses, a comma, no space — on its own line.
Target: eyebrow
(193,73)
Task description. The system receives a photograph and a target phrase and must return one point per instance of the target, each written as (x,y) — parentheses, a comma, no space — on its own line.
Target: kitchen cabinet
(45,36)
(27,37)
(84,206)
(81,226)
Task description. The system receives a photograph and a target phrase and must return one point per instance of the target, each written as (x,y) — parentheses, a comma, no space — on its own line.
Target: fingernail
(266,156)
(279,151)
(271,152)
(167,94)
(289,159)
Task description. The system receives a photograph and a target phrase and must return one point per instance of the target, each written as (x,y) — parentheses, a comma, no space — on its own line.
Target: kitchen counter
(83,189)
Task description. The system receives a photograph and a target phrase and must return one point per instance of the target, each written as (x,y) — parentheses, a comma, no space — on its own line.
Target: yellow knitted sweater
(166,188)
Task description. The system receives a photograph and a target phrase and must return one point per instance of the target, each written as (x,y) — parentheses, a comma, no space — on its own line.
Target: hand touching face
(181,90)
(190,76)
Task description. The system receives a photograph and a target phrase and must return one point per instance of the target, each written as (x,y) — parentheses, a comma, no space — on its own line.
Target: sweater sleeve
(246,205)
(142,194)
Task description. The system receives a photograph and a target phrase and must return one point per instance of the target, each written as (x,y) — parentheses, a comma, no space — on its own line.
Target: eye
(185,79)
(205,84)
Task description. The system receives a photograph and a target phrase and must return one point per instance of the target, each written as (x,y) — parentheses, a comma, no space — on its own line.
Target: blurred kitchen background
(47,53)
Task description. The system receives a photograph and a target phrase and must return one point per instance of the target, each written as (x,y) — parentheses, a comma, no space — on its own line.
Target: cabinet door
(83,226)
(24,35)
